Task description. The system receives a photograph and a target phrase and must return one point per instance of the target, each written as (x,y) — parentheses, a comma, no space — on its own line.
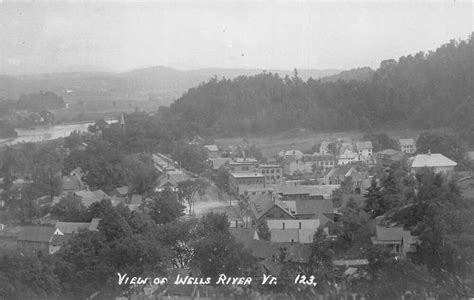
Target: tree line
(425,90)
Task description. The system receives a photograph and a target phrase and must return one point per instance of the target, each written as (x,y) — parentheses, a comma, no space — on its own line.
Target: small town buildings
(241,165)
(35,239)
(388,157)
(212,151)
(308,163)
(292,231)
(399,241)
(263,208)
(76,227)
(273,174)
(437,162)
(364,148)
(89,197)
(239,182)
(407,145)
(306,192)
(347,157)
(292,154)
(216,163)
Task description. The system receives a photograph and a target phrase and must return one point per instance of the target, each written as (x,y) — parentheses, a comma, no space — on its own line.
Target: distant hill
(424,90)
(158,83)
(359,74)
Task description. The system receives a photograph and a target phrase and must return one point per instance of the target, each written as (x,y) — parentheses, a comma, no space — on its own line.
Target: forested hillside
(424,90)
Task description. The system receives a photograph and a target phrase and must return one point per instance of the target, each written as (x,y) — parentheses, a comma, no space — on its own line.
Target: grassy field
(304,139)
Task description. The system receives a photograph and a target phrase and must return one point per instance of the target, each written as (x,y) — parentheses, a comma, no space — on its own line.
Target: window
(278,170)
(300,225)
(278,176)
(283,225)
(273,171)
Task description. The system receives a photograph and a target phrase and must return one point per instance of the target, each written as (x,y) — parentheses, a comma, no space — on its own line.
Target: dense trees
(426,90)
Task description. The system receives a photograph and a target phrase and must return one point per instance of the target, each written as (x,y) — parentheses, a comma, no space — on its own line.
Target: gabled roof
(406,142)
(243,235)
(340,171)
(312,190)
(71,183)
(100,194)
(363,145)
(71,227)
(317,208)
(348,154)
(87,197)
(43,234)
(123,190)
(432,160)
(212,148)
(393,155)
(260,206)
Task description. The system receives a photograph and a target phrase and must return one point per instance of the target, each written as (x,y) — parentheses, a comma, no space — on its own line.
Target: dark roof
(37,234)
(59,240)
(71,183)
(315,207)
(243,235)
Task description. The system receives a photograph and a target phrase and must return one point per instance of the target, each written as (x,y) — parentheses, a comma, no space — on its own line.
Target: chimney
(429,152)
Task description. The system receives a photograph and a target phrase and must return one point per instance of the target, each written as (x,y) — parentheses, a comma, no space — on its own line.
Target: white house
(435,161)
(407,145)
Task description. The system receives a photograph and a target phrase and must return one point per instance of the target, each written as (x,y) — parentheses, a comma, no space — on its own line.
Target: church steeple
(122,121)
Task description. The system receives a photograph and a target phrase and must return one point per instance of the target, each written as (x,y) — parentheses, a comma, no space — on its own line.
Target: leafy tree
(263,230)
(26,277)
(189,189)
(381,141)
(374,203)
(191,157)
(165,207)
(221,178)
(70,209)
(179,236)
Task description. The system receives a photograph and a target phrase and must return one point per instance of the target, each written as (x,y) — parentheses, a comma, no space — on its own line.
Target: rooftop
(38,234)
(407,142)
(432,160)
(246,175)
(211,148)
(363,145)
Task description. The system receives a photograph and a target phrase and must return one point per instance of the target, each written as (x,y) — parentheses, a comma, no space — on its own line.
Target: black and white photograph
(225,149)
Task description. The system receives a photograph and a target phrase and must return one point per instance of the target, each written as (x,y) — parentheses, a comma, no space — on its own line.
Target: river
(46,133)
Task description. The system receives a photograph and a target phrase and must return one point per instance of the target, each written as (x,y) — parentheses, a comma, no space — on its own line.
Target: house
(360,180)
(216,163)
(364,148)
(35,239)
(407,145)
(388,157)
(293,154)
(88,197)
(399,241)
(437,162)
(76,227)
(306,192)
(292,231)
(71,184)
(324,148)
(212,151)
(308,163)
(239,182)
(241,165)
(273,174)
(171,178)
(265,208)
(339,174)
(120,191)
(347,157)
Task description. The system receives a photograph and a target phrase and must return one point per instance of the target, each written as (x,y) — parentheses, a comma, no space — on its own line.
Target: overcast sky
(119,36)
